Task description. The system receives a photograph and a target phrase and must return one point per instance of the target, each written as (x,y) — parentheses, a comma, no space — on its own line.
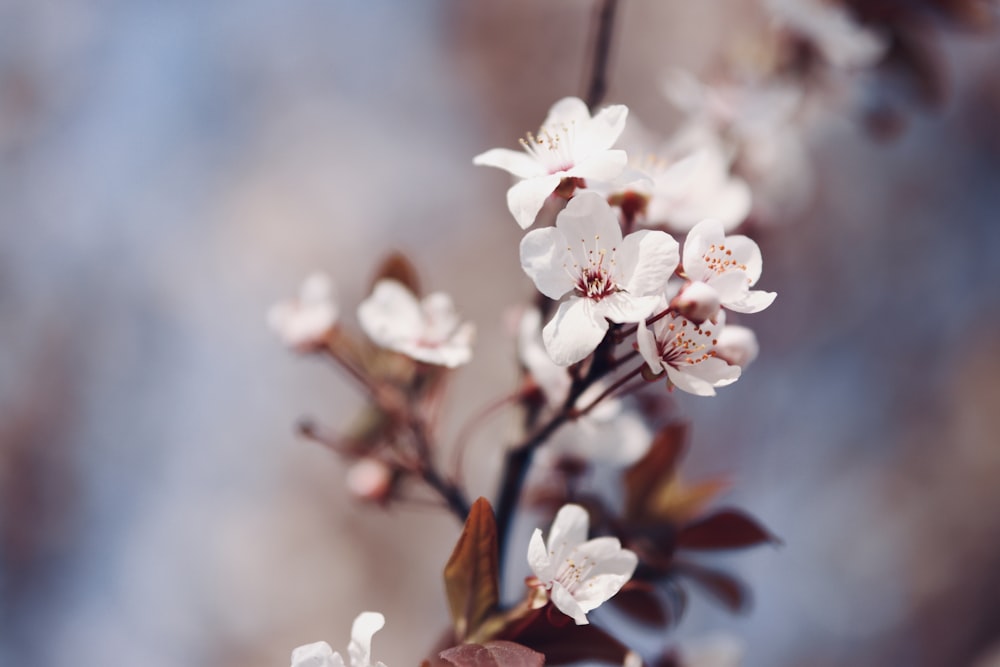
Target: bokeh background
(168,170)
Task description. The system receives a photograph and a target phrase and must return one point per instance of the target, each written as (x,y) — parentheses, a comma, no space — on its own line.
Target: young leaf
(563,643)
(724,587)
(492,654)
(471,577)
(725,529)
(654,469)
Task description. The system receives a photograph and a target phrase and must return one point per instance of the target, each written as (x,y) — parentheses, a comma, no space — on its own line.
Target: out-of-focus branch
(597,85)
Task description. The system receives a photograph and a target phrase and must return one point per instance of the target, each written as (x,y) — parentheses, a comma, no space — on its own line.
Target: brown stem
(615,386)
(597,85)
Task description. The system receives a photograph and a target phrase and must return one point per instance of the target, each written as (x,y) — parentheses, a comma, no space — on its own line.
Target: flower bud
(697,302)
(369,479)
(737,345)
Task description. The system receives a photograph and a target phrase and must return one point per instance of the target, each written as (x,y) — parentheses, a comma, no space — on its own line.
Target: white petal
(391,314)
(318,654)
(746,252)
(737,345)
(553,379)
(567,110)
(569,529)
(647,259)
(753,301)
(606,126)
(731,204)
(731,286)
(589,224)
(365,626)
(690,383)
(647,348)
(539,559)
(567,604)
(602,166)
(518,163)
(545,257)
(701,237)
(525,199)
(574,332)
(623,307)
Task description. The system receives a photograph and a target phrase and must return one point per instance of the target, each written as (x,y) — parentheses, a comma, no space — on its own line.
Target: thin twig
(601,48)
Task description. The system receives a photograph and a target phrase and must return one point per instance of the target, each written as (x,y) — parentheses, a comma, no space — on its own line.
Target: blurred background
(168,170)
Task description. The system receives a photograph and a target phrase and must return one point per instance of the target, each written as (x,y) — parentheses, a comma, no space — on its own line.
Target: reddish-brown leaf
(724,587)
(654,469)
(565,643)
(640,601)
(492,654)
(725,529)
(399,268)
(471,577)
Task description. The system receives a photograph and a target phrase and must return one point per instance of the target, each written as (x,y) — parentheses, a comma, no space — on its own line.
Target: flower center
(719,259)
(553,147)
(595,279)
(572,572)
(686,344)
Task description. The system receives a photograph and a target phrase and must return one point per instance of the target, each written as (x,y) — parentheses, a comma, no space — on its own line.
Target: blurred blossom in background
(169,170)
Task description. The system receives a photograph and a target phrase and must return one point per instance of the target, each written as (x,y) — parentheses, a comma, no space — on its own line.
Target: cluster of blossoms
(635,242)
(606,272)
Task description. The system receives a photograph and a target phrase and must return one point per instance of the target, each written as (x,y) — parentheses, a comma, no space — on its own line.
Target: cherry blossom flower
(427,330)
(319,654)
(570,145)
(609,277)
(687,352)
(580,574)
(305,322)
(729,265)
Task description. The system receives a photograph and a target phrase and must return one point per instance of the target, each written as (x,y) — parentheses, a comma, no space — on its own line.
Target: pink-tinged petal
(318,654)
(589,225)
(746,252)
(545,258)
(525,199)
(647,259)
(702,236)
(752,302)
(517,163)
(606,126)
(574,332)
(391,314)
(698,302)
(623,307)
(567,604)
(600,166)
(360,648)
(569,530)
(567,111)
(647,348)
(539,559)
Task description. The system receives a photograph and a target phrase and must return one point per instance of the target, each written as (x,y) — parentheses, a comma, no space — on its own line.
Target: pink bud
(369,479)
(737,345)
(697,302)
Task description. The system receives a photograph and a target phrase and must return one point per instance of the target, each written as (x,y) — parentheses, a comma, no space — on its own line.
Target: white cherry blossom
(306,321)
(427,330)
(730,265)
(687,352)
(319,654)
(580,574)
(570,144)
(608,277)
